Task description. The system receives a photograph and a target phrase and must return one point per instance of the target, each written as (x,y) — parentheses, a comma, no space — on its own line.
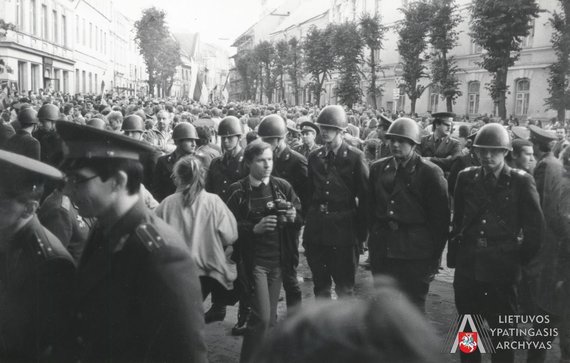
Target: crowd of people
(120,215)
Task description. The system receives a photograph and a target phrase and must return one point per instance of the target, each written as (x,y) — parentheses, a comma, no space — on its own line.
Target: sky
(218,21)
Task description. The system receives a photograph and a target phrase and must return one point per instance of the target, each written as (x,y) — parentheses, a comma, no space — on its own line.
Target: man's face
(308,137)
(400,147)
(162,121)
(328,134)
(491,158)
(525,159)
(261,165)
(11,210)
(48,125)
(230,142)
(444,128)
(92,196)
(137,135)
(186,146)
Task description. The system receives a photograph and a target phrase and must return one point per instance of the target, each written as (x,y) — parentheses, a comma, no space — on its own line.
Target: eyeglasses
(79,179)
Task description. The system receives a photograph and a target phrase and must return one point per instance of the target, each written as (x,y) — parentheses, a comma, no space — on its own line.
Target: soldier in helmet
(50,143)
(23,142)
(493,204)
(440,148)
(336,218)
(184,136)
(409,213)
(462,162)
(133,127)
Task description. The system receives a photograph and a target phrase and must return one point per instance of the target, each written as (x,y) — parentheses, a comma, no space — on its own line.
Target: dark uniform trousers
(489,214)
(409,209)
(292,166)
(336,217)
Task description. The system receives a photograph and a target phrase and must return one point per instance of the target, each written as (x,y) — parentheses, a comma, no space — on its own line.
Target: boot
(216,313)
(241,325)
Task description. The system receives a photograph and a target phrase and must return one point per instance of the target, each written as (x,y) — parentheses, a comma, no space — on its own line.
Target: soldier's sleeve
(159,173)
(456,166)
(372,194)
(458,211)
(302,185)
(58,221)
(531,217)
(361,174)
(209,185)
(437,206)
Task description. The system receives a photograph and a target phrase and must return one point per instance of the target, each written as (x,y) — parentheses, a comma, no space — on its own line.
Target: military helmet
(133,123)
(406,128)
(27,116)
(96,123)
(184,130)
(333,116)
(230,126)
(272,126)
(48,112)
(493,136)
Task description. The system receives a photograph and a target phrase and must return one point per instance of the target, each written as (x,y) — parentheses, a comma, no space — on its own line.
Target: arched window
(522,93)
(473,97)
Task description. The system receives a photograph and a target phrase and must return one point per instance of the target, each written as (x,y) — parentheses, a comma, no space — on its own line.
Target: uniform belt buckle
(482,242)
(323,208)
(393,225)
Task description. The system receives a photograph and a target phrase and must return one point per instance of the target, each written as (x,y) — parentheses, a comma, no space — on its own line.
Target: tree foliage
(319,57)
(443,37)
(248,69)
(499,27)
(372,32)
(558,81)
(349,47)
(412,45)
(265,54)
(159,50)
(295,66)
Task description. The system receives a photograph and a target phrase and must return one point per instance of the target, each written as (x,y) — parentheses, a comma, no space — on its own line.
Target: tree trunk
(449,104)
(373,79)
(261,84)
(501,101)
(412,105)
(561,113)
(282,89)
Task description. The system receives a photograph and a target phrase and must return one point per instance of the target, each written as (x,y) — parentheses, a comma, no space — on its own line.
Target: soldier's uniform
(440,151)
(489,215)
(336,217)
(224,171)
(460,163)
(305,150)
(138,296)
(36,276)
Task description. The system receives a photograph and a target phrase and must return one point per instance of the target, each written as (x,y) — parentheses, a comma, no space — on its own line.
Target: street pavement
(440,311)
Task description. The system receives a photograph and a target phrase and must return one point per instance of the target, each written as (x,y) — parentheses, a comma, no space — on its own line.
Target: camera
(279,207)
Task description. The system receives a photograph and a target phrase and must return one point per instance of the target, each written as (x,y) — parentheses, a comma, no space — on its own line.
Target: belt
(328,207)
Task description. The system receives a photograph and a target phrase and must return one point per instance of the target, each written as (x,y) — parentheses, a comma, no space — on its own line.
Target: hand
(291,214)
(266,224)
(229,251)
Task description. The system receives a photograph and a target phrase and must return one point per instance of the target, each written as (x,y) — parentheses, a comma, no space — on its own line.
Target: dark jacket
(138,294)
(409,209)
(223,172)
(51,146)
(162,184)
(24,143)
(487,222)
(292,166)
(6,132)
(36,284)
(546,162)
(305,150)
(441,155)
(460,163)
(337,198)
(238,203)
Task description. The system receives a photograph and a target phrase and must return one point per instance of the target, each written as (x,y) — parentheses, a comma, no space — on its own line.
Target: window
(44,23)
(96,37)
(84,33)
(475,48)
(65,85)
(35,77)
(90,82)
(77,89)
(105,42)
(522,88)
(22,75)
(33,18)
(527,41)
(433,100)
(90,35)
(55,25)
(473,97)
(96,81)
(19,15)
(64,31)
(84,82)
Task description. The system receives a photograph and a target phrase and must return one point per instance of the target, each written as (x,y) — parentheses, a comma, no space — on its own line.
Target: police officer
(440,148)
(138,296)
(336,219)
(36,274)
(309,132)
(291,166)
(409,213)
(543,141)
(493,203)
(184,136)
(23,142)
(223,172)
(462,162)
(376,145)
(50,143)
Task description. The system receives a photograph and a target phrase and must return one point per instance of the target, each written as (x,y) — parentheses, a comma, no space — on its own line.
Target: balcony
(37,45)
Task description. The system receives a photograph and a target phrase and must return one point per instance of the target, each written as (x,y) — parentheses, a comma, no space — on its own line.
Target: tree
(372,32)
(349,47)
(281,63)
(558,81)
(499,27)
(294,66)
(412,44)
(248,69)
(443,37)
(319,57)
(157,47)
(265,54)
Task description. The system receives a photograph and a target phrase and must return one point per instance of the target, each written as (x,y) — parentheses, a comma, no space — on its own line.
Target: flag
(204,94)
(225,96)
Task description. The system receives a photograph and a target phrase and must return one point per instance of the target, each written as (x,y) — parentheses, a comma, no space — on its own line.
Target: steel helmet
(406,128)
(493,136)
(272,126)
(27,116)
(133,123)
(184,130)
(48,112)
(97,123)
(230,126)
(333,116)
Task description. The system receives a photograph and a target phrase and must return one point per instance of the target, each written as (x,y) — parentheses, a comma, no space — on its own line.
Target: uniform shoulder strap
(149,237)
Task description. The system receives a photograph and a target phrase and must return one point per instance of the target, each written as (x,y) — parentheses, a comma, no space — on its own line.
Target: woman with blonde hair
(207,225)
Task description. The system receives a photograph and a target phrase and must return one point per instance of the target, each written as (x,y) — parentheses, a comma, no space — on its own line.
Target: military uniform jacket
(487,222)
(441,154)
(409,209)
(548,161)
(338,197)
(24,143)
(460,163)
(36,284)
(163,185)
(138,295)
(292,166)
(51,148)
(305,150)
(223,172)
